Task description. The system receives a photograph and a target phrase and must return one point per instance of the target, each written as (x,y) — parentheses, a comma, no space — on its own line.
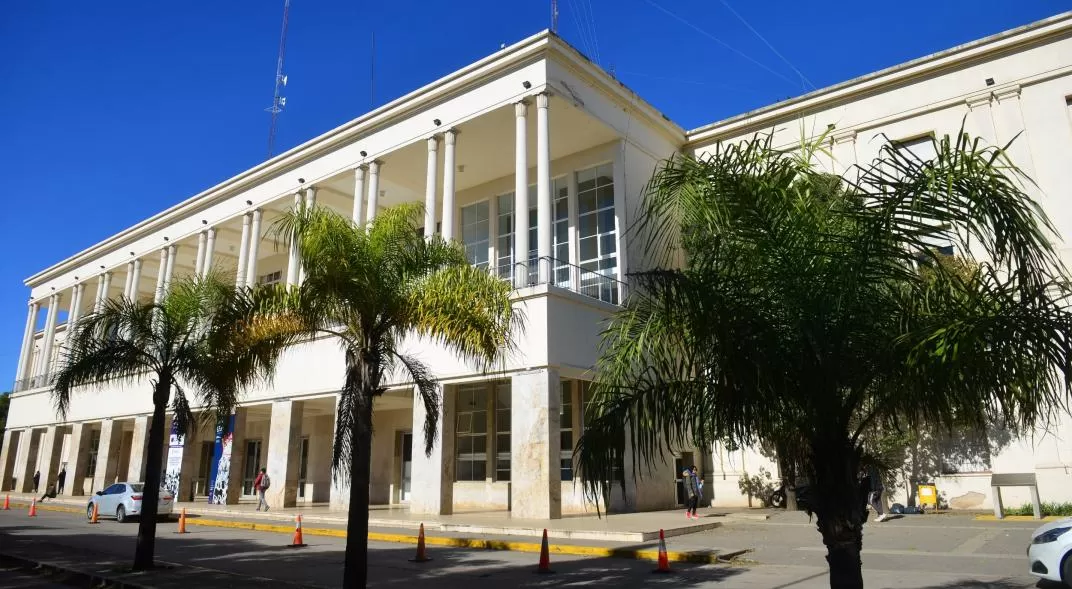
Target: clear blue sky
(112,111)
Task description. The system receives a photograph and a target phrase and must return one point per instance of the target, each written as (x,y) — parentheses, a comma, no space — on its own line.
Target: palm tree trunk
(355,571)
(839,509)
(154,458)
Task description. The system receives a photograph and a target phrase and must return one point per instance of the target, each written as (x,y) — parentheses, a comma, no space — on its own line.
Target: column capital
(433,143)
(521,108)
(360,169)
(374,166)
(978,100)
(543,99)
(1007,93)
(844,136)
(450,135)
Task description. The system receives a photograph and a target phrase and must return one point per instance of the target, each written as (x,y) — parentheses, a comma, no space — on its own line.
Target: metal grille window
(475,233)
(271,278)
(471,433)
(505,243)
(502,431)
(597,233)
(566,429)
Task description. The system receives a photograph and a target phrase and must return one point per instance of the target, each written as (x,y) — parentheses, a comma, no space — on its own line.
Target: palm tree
(816,308)
(369,288)
(202,338)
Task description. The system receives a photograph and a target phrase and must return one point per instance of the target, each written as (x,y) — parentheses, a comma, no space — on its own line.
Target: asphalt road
(919,554)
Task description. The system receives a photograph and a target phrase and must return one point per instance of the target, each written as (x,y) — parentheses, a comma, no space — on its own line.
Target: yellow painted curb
(695,557)
(1017,518)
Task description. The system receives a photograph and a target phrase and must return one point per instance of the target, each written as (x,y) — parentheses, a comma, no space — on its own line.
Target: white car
(123,500)
(1050,553)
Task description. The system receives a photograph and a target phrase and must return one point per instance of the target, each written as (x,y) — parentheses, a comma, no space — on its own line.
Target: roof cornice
(1025,35)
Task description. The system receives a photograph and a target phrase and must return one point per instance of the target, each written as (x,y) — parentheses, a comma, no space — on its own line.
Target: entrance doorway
(252,466)
(407,466)
(204,468)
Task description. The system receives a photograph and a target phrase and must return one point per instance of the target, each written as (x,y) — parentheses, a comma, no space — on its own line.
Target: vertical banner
(174,461)
(221,461)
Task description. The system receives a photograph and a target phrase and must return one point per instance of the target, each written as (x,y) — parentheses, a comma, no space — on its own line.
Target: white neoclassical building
(535,127)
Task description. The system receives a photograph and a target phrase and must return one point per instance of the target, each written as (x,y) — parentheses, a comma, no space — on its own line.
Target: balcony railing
(597,284)
(33,382)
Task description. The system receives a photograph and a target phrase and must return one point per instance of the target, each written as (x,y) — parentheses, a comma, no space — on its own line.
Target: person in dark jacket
(62,476)
(692,493)
(871,490)
(36,480)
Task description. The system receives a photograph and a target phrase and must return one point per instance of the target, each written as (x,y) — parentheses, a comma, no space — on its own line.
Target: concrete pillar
(77,459)
(106,285)
(210,247)
(237,465)
(432,477)
(621,218)
(50,455)
(521,196)
(139,446)
(544,223)
(430,174)
(111,438)
(535,478)
(449,139)
(50,334)
(26,356)
(283,453)
(26,460)
(359,195)
(373,191)
(135,282)
(243,251)
(254,249)
(310,202)
(199,261)
(129,278)
(294,262)
(161,276)
(574,251)
(172,255)
(7,458)
(339,499)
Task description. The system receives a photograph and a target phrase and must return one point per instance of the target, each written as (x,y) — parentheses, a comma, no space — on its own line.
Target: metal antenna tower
(554,16)
(279,101)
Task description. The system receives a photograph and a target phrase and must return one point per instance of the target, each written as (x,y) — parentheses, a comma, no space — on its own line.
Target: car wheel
(1066,569)
(121,514)
(89,512)
(777,499)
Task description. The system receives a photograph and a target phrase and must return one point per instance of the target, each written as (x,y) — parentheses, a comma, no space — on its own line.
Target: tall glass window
(597,235)
(502,431)
(560,236)
(475,233)
(472,433)
(505,244)
(566,429)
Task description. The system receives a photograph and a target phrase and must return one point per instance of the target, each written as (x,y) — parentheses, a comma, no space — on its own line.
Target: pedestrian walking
(692,493)
(60,478)
(36,480)
(871,488)
(699,482)
(49,494)
(260,485)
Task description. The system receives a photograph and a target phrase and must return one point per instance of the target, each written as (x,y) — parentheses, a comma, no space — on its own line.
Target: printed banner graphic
(174,462)
(221,461)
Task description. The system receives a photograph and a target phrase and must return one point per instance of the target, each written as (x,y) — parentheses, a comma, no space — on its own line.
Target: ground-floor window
(303,465)
(502,431)
(91,460)
(471,433)
(251,466)
(566,431)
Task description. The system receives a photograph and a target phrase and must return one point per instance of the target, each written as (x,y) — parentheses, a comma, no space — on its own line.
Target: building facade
(535,126)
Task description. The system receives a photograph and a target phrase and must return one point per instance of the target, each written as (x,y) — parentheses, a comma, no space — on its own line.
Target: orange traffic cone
(93,519)
(545,557)
(298,541)
(7,502)
(182,522)
(664,560)
(33,507)
(421,556)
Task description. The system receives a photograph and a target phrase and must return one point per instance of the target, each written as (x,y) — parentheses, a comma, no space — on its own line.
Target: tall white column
(26,356)
(160,276)
(243,251)
(129,279)
(72,309)
(172,252)
(97,296)
(449,139)
(373,191)
(430,186)
(199,265)
(310,202)
(359,194)
(543,188)
(621,219)
(294,262)
(135,283)
(574,250)
(50,333)
(27,353)
(521,197)
(254,247)
(106,285)
(210,247)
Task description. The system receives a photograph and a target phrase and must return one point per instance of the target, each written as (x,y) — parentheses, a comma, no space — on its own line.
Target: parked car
(1050,552)
(123,500)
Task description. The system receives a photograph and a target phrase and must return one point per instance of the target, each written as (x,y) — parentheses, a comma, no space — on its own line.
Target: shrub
(1048,508)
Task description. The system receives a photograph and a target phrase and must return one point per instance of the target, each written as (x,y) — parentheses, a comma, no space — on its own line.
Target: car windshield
(136,487)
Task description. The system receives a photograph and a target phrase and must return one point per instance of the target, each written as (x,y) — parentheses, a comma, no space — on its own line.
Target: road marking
(977,541)
(890,552)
